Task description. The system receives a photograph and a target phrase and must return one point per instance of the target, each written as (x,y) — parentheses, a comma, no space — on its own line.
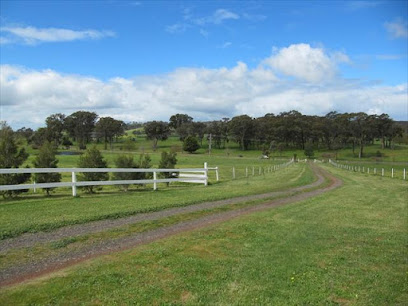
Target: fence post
(206,174)
(405,174)
(382,172)
(154,180)
(74,180)
(216,174)
(34,189)
(233,173)
(368,170)
(392,172)
(246,171)
(253,171)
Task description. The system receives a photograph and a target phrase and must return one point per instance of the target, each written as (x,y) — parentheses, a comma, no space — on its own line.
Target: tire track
(20,273)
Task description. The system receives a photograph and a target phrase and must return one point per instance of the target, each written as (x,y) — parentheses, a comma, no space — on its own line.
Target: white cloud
(304,62)
(397,29)
(218,17)
(225,45)
(29,96)
(32,35)
(177,28)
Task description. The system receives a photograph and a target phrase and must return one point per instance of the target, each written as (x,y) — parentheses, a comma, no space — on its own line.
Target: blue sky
(145,60)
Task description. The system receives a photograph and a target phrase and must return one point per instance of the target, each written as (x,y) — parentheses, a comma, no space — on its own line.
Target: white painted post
(35,189)
(233,173)
(206,174)
(154,180)
(392,172)
(368,170)
(74,180)
(405,174)
(216,174)
(382,172)
(246,171)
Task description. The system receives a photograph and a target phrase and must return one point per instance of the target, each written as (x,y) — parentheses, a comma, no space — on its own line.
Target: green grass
(344,247)
(32,214)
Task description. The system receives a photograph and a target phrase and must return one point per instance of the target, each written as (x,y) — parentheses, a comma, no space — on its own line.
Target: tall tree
(11,157)
(156,130)
(46,159)
(55,127)
(178,119)
(80,125)
(242,128)
(109,128)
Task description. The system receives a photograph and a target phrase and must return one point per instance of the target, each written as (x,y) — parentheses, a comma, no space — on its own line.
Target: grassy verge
(347,246)
(40,214)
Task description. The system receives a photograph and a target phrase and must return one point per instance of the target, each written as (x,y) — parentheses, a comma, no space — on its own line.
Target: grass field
(344,247)
(38,213)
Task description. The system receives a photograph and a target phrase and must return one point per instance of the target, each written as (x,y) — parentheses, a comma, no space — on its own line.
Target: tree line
(268,133)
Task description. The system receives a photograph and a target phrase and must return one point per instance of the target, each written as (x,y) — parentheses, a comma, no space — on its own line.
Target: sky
(148,60)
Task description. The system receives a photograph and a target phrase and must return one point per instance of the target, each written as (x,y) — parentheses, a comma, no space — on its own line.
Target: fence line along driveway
(187,175)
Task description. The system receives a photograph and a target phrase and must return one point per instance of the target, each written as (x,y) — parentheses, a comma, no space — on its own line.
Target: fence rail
(186,175)
(368,170)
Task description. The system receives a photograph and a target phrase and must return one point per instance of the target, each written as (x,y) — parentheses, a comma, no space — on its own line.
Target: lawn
(32,213)
(347,246)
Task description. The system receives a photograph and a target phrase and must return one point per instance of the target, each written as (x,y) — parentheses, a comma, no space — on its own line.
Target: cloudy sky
(145,60)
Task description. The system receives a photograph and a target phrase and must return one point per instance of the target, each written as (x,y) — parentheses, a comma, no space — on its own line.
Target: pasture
(343,247)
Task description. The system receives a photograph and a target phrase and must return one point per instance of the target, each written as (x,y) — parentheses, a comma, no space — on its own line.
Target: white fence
(188,175)
(368,170)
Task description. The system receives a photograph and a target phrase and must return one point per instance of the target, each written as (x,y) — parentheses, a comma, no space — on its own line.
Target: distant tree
(157,130)
(168,161)
(55,126)
(26,133)
(66,142)
(242,128)
(80,126)
(11,157)
(92,158)
(309,150)
(178,119)
(199,130)
(190,144)
(108,128)
(39,137)
(46,159)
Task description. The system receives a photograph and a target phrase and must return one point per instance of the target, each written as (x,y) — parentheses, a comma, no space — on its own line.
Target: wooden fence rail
(186,175)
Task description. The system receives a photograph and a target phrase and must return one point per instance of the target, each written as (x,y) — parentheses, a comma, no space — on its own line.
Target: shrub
(92,158)
(11,157)
(168,161)
(190,144)
(126,161)
(46,159)
(309,150)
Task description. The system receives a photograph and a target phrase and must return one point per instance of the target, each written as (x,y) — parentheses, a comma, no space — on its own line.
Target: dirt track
(35,268)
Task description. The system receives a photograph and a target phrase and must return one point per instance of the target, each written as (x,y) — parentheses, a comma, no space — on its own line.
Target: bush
(309,150)
(168,161)
(46,159)
(190,144)
(11,157)
(92,158)
(126,161)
